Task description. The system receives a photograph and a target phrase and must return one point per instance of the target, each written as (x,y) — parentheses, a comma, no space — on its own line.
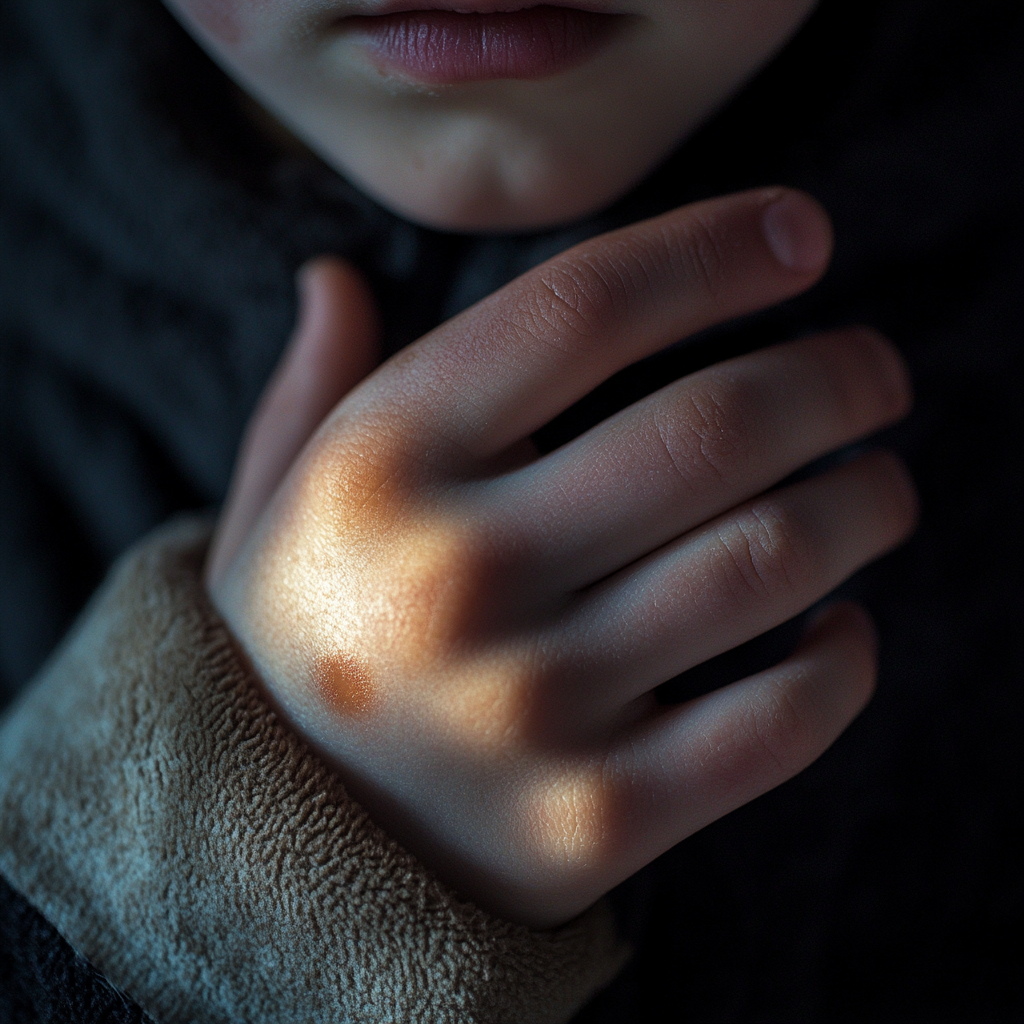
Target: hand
(472,634)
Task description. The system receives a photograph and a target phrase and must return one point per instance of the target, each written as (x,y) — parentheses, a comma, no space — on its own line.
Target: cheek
(218,18)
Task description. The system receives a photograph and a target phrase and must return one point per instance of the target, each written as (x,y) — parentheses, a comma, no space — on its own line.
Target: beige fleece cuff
(192,847)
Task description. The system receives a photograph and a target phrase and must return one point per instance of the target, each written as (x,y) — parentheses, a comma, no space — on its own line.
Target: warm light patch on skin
(344,685)
(437,591)
(398,603)
(356,487)
(357,568)
(572,814)
(425,580)
(491,701)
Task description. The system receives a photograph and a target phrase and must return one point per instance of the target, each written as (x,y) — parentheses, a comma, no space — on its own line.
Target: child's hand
(472,634)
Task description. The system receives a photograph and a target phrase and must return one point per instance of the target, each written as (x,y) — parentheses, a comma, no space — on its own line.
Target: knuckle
(348,489)
(442,591)
(768,549)
(705,436)
(719,428)
(563,304)
(491,708)
(575,818)
(705,255)
(781,730)
(591,289)
(581,294)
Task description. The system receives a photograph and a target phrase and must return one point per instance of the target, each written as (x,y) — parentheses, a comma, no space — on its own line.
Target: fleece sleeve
(182,838)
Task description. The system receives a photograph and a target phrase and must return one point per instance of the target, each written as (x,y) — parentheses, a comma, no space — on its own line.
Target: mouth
(443,46)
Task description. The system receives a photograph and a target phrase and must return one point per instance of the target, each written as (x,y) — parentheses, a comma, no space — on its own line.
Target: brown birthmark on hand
(344,685)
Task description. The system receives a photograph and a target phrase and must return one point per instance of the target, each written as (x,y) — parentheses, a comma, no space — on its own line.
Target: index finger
(506,366)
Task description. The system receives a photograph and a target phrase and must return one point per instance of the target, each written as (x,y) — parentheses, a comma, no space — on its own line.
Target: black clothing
(43,981)
(149,233)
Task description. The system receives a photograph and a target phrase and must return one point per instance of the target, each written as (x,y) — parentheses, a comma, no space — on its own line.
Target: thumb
(334,346)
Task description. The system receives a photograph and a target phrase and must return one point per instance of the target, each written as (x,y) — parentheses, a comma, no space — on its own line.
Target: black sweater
(149,232)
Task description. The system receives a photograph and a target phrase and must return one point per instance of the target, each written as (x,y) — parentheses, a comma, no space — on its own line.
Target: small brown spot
(344,685)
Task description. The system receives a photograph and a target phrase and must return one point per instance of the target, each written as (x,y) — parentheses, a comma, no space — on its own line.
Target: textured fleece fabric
(184,840)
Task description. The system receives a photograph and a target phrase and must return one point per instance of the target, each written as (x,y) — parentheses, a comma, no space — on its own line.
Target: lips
(446,47)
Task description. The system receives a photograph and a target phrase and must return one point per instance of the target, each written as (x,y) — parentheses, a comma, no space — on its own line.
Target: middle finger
(697,448)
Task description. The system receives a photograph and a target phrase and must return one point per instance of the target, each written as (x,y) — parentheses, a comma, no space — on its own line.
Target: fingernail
(798,232)
(892,368)
(830,610)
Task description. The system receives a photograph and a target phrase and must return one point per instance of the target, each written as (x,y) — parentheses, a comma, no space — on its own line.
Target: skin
(497,155)
(472,633)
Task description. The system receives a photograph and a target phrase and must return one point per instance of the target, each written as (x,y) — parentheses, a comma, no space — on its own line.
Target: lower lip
(446,48)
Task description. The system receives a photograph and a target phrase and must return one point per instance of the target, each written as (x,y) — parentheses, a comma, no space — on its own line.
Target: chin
(491,209)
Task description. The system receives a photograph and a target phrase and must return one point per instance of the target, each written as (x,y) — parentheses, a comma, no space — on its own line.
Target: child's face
(489,120)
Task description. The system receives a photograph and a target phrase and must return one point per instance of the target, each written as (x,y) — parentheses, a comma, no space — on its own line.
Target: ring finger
(733,579)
